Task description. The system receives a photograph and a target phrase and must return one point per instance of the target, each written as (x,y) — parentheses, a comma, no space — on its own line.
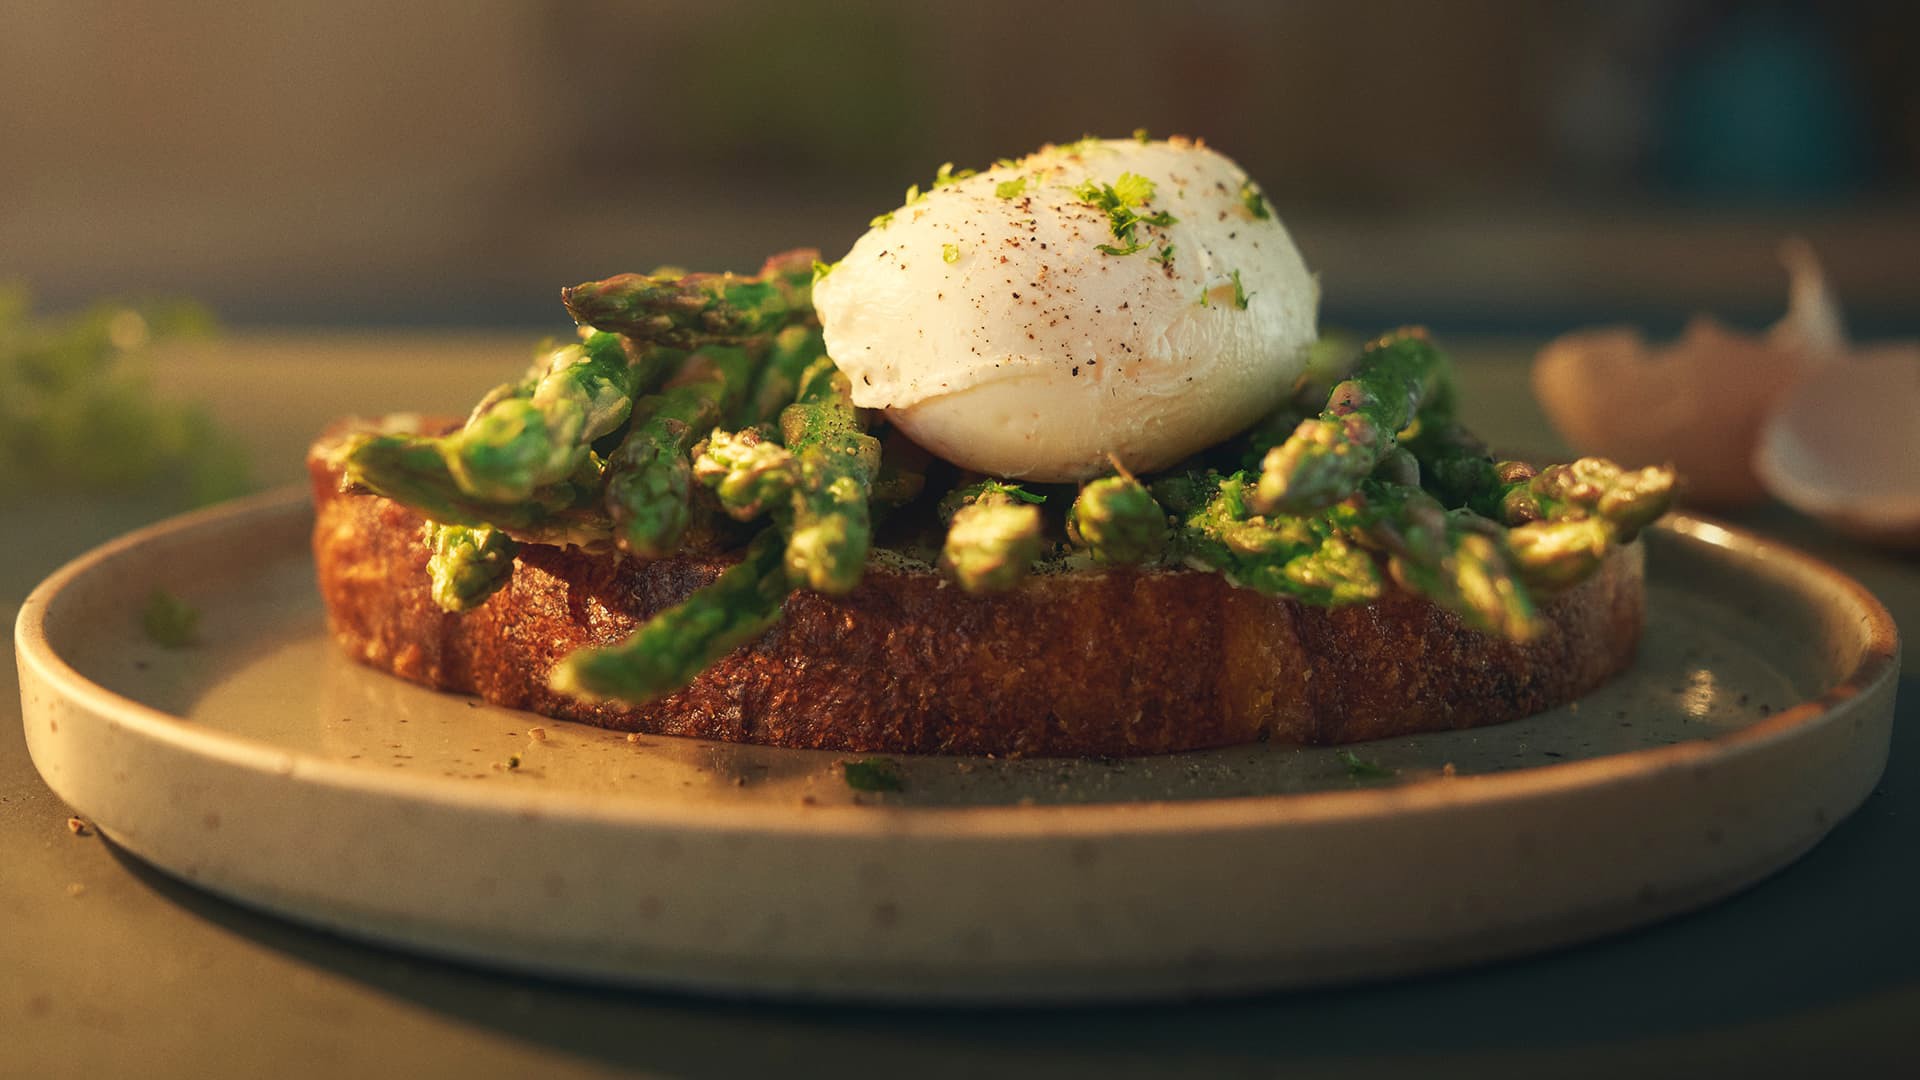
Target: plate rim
(1878,665)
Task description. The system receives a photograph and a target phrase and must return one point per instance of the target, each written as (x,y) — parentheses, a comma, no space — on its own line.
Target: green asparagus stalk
(1116,520)
(522,439)
(1325,459)
(649,478)
(687,311)
(1323,557)
(832,528)
(1514,493)
(411,471)
(467,564)
(748,471)
(1401,521)
(1452,562)
(793,350)
(993,535)
(1455,466)
(1477,582)
(1306,557)
(1627,500)
(676,645)
(1329,361)
(1564,518)
(1561,520)
(522,458)
(1553,555)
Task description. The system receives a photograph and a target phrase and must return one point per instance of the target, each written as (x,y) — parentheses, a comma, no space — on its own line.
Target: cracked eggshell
(997,335)
(1699,402)
(1844,446)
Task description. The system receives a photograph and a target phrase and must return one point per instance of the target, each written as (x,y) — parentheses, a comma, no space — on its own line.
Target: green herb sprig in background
(78,414)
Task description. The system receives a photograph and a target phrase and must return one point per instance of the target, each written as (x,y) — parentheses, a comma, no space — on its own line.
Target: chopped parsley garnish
(950,253)
(945,175)
(1255,202)
(169,621)
(1131,189)
(1122,201)
(872,774)
(822,269)
(1140,135)
(1005,163)
(1010,189)
(881,221)
(1360,768)
(1165,258)
(1020,493)
(914,195)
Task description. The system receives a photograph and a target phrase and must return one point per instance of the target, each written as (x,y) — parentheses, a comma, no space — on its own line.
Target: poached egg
(1110,299)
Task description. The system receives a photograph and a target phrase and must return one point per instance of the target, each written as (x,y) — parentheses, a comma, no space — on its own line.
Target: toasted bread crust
(1087,664)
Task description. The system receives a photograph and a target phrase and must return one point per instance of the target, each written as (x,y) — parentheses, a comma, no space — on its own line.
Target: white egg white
(987,321)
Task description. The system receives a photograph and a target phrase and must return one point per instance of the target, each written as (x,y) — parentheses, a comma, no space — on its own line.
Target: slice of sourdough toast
(1089,663)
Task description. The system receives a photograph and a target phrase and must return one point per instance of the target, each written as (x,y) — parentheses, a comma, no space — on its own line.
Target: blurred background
(1481,166)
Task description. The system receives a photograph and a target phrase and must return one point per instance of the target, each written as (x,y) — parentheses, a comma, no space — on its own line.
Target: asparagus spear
(1455,466)
(649,478)
(1561,520)
(1329,361)
(1449,559)
(1320,558)
(676,645)
(793,351)
(748,472)
(1628,501)
(1301,556)
(1479,583)
(1514,493)
(993,535)
(524,437)
(1325,458)
(521,457)
(1564,518)
(831,529)
(410,470)
(467,564)
(1551,555)
(690,310)
(1117,520)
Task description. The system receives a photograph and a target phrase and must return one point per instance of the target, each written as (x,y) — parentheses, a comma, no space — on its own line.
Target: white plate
(263,766)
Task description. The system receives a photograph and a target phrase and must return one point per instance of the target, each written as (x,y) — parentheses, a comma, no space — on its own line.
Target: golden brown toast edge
(1101,663)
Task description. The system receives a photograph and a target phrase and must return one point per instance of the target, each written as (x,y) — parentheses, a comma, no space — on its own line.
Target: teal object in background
(1766,112)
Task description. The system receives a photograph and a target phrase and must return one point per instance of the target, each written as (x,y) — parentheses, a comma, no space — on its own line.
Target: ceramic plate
(261,765)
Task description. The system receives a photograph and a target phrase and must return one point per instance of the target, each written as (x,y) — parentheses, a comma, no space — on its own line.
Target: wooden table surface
(109,968)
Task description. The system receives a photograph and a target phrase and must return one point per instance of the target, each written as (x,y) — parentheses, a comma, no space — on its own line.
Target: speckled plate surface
(261,765)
